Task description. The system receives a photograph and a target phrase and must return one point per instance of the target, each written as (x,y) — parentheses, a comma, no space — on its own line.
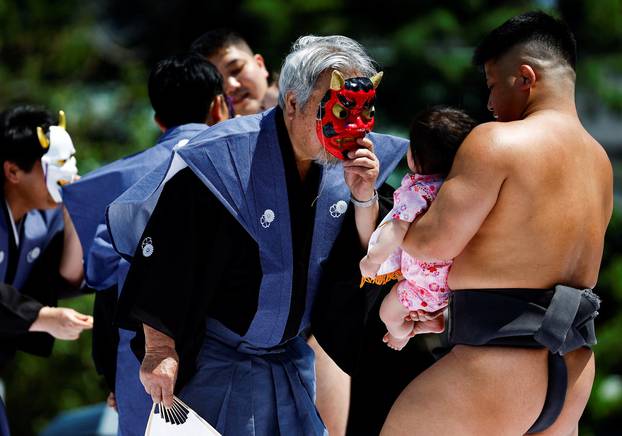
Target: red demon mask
(346,113)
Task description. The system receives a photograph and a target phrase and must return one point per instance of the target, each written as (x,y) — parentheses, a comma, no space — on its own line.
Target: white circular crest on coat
(181,143)
(147,247)
(338,209)
(33,254)
(267,218)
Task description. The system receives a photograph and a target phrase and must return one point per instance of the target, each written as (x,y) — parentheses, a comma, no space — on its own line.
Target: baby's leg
(394,315)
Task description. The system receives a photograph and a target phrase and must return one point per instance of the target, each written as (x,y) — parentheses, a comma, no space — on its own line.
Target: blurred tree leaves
(598,29)
(604,411)
(57,55)
(38,388)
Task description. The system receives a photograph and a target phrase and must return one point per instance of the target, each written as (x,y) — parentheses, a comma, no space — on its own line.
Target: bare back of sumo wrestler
(546,227)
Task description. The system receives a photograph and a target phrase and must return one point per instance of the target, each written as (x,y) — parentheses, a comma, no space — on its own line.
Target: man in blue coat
(40,255)
(230,244)
(186,94)
(252,89)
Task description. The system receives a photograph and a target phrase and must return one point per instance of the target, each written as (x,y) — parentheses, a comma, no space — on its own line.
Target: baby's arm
(389,237)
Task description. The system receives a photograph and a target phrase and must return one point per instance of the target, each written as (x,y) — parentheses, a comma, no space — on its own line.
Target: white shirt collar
(15,232)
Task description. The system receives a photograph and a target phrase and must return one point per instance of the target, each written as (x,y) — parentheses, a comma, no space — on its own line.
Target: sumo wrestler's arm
(464,200)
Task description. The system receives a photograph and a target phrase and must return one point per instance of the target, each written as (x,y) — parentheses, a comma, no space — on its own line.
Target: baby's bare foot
(395,343)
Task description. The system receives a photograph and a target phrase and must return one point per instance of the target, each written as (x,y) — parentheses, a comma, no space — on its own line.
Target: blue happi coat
(38,228)
(240,162)
(86,201)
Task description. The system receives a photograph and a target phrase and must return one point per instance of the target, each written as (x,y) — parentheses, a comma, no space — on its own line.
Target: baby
(435,136)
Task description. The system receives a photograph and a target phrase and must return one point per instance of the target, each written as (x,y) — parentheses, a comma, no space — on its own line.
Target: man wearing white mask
(40,255)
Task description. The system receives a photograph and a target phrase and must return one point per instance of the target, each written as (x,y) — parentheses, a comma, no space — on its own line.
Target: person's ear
(527,77)
(218,110)
(12,173)
(291,105)
(262,64)
(157,120)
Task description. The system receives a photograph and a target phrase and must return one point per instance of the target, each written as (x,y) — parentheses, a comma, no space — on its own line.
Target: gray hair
(311,55)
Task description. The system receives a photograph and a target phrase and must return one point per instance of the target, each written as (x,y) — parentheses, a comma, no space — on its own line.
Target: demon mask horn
(337,81)
(43,140)
(376,78)
(59,163)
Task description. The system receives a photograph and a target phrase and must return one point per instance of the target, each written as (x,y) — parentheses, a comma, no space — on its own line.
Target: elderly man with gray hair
(223,301)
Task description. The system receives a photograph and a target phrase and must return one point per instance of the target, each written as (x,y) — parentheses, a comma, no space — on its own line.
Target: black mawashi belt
(561,320)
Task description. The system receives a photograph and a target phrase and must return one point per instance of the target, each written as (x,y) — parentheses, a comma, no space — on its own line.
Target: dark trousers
(381,376)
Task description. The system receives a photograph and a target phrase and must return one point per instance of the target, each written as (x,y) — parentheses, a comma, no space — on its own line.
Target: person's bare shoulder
(600,154)
(490,145)
(602,168)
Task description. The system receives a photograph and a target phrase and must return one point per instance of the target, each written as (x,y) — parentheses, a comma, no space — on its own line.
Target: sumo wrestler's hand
(426,322)
(158,371)
(361,170)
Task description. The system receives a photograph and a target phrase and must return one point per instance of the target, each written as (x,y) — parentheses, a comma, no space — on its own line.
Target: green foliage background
(91,58)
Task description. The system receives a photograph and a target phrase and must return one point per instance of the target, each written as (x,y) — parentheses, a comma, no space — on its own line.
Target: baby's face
(412,164)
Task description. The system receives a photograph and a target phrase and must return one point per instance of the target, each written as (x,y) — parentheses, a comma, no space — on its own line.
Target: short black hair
(19,142)
(182,88)
(435,136)
(210,43)
(551,33)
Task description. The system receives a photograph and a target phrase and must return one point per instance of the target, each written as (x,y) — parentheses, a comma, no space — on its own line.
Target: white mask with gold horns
(59,164)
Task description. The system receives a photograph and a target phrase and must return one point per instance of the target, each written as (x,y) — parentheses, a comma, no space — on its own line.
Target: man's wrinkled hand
(361,170)
(158,374)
